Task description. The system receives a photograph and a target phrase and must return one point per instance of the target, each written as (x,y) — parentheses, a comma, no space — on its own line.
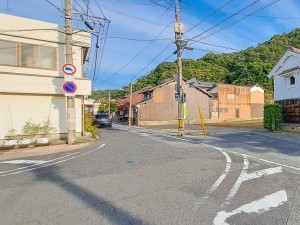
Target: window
(292,80)
(38,56)
(8,53)
(230,96)
(223,110)
(147,95)
(27,55)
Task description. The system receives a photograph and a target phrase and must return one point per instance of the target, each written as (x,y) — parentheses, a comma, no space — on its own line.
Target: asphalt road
(145,176)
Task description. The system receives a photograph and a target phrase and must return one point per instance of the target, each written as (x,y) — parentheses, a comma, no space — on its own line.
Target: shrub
(31,129)
(45,128)
(272,116)
(88,124)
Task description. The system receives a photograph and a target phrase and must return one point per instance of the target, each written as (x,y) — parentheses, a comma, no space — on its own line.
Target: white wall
(15,110)
(12,83)
(282,88)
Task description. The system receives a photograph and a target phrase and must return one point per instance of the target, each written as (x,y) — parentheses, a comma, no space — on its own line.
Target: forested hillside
(249,66)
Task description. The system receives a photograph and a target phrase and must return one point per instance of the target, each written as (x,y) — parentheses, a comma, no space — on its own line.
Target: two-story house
(286,75)
(159,104)
(237,102)
(31,56)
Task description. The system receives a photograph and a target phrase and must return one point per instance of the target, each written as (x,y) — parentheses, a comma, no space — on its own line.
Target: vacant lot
(255,124)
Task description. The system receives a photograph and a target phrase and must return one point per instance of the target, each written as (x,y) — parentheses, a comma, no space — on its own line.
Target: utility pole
(109,103)
(130,102)
(178,28)
(71,117)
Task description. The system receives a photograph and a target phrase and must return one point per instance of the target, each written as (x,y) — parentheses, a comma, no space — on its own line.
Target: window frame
(19,56)
(290,81)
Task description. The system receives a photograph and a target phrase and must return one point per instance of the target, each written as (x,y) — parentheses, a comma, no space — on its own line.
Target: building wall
(16,109)
(257,102)
(164,108)
(233,101)
(32,93)
(36,84)
(282,89)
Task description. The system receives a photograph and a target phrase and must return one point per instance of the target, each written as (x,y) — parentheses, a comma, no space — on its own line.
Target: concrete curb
(44,150)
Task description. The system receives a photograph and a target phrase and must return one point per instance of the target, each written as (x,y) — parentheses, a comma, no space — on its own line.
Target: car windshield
(102,116)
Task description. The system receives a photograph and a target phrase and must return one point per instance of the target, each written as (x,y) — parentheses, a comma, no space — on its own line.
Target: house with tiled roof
(286,75)
(159,104)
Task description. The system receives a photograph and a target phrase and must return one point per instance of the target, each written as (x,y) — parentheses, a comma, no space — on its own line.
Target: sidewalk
(44,150)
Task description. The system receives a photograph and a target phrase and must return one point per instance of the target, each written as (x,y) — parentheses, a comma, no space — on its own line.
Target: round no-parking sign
(69,87)
(68,69)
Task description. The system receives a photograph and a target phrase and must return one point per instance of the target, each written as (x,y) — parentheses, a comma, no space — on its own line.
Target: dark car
(103,120)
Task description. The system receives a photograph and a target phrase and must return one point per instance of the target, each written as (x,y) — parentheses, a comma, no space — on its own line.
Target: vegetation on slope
(245,67)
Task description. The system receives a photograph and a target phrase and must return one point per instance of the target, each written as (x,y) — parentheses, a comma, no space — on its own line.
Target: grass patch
(254,124)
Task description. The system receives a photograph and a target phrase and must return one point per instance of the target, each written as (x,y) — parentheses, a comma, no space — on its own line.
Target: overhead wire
(55,6)
(226,19)
(159,54)
(151,41)
(246,16)
(211,14)
(132,16)
(164,60)
(133,58)
(101,56)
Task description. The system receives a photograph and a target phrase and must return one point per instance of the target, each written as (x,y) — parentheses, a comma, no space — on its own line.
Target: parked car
(124,118)
(103,120)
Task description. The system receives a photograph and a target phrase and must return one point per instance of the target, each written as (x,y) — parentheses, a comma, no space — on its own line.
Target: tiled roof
(296,50)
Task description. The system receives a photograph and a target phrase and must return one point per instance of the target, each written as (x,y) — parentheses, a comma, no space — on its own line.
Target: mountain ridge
(251,65)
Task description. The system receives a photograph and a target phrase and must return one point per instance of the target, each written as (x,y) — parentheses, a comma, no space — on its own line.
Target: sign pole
(71,117)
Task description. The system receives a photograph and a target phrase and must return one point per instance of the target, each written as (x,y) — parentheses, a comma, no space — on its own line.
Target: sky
(140,34)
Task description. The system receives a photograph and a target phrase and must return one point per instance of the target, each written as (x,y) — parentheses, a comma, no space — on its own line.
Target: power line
(228,18)
(55,6)
(133,39)
(195,7)
(128,2)
(132,16)
(211,14)
(101,56)
(256,11)
(159,54)
(219,46)
(159,4)
(123,67)
(164,60)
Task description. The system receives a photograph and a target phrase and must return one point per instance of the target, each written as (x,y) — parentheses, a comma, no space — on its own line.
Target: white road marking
(258,206)
(223,176)
(244,176)
(218,181)
(37,166)
(268,161)
(24,162)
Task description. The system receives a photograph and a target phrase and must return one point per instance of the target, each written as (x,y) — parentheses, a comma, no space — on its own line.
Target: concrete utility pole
(71,117)
(109,103)
(130,101)
(178,28)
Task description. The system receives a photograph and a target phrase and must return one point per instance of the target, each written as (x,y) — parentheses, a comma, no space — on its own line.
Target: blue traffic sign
(69,87)
(68,69)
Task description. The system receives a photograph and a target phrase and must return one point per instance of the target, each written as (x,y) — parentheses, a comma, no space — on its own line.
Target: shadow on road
(101,206)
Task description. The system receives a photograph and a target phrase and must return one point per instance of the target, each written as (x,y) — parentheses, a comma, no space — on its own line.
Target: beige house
(237,102)
(159,105)
(31,56)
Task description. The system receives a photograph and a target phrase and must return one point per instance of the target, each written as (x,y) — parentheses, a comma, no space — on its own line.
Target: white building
(286,75)
(31,56)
